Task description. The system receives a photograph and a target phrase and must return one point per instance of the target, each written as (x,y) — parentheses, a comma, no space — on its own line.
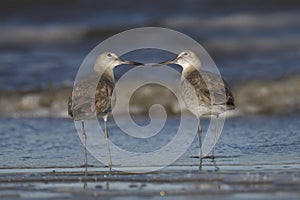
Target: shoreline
(256,97)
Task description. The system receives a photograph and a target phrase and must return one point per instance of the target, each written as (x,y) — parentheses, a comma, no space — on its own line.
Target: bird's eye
(185,54)
(109,55)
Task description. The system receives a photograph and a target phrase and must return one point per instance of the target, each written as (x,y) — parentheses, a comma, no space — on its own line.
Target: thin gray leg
(85,151)
(107,142)
(200,165)
(215,137)
(199,131)
(216,166)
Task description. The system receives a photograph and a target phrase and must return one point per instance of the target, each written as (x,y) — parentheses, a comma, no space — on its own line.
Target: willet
(90,99)
(203,92)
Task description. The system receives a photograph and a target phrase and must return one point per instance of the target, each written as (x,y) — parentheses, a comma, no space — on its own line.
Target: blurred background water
(255,44)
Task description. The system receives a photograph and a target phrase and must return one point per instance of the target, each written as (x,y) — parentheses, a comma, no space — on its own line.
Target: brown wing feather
(229,97)
(70,111)
(89,100)
(104,95)
(198,83)
(206,83)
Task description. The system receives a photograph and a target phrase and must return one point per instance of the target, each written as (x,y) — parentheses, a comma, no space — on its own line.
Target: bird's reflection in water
(217,168)
(214,164)
(200,165)
(106,182)
(107,185)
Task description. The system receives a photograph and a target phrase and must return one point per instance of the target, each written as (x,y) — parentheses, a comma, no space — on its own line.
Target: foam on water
(253,97)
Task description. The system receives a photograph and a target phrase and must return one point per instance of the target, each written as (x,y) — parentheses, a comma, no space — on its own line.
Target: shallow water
(256,158)
(260,142)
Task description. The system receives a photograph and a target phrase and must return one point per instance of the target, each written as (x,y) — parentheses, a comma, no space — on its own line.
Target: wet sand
(173,182)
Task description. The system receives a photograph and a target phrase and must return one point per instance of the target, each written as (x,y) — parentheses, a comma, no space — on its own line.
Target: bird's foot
(84,165)
(210,157)
(112,165)
(203,157)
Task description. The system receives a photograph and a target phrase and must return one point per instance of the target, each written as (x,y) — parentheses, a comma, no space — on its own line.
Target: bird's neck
(188,69)
(108,72)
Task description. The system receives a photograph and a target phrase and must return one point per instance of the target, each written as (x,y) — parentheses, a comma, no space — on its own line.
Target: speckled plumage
(90,99)
(205,93)
(93,96)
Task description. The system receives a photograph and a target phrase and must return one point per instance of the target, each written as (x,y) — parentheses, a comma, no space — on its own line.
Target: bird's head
(111,60)
(185,59)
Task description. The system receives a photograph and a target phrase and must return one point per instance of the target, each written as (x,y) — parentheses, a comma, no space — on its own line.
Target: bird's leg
(199,131)
(200,165)
(85,151)
(215,137)
(107,142)
(216,166)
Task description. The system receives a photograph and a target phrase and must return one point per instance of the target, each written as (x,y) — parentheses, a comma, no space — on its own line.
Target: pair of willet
(192,82)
